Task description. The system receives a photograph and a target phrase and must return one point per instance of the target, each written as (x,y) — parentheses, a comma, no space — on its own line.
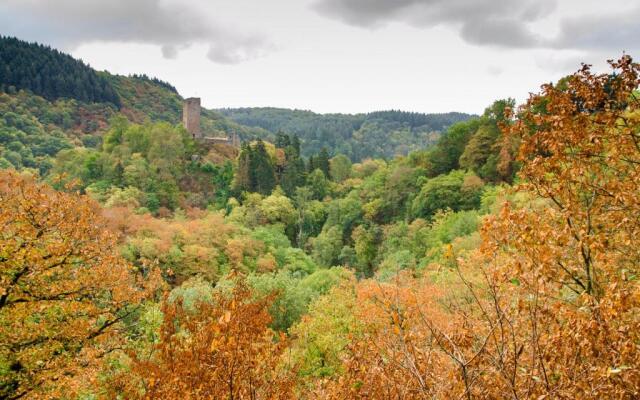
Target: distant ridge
(379,134)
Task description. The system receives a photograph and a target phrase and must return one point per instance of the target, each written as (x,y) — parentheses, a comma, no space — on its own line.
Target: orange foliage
(223,350)
(398,354)
(64,289)
(551,301)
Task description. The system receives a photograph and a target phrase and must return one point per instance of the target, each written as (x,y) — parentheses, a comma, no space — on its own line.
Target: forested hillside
(499,257)
(382,134)
(51,74)
(50,102)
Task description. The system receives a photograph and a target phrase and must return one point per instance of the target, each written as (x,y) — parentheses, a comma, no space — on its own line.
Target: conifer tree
(322,162)
(295,143)
(294,172)
(311,166)
(263,177)
(282,140)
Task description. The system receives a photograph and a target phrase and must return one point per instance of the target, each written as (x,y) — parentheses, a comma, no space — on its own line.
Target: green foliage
(366,241)
(360,136)
(456,191)
(27,139)
(191,292)
(322,336)
(340,168)
(256,171)
(318,184)
(321,162)
(293,295)
(444,156)
(294,174)
(327,246)
(155,160)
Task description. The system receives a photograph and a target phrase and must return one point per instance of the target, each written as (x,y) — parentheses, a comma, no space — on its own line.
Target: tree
(222,350)
(222,179)
(282,140)
(327,246)
(340,168)
(323,334)
(242,178)
(456,190)
(294,172)
(263,177)
(321,162)
(444,156)
(318,184)
(366,242)
(65,292)
(550,300)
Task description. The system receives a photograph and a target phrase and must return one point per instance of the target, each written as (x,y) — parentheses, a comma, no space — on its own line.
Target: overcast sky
(336,55)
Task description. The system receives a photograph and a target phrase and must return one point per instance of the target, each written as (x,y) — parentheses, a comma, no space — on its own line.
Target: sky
(344,56)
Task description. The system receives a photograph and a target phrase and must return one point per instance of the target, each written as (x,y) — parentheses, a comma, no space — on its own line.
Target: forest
(382,134)
(50,73)
(456,257)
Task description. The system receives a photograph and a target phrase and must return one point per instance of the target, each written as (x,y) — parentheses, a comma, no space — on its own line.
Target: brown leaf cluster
(64,290)
(223,350)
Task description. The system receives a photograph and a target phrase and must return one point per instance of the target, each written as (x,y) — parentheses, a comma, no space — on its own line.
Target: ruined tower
(191,117)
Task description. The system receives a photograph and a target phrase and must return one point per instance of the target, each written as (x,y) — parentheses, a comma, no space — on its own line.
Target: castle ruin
(191,122)
(191,117)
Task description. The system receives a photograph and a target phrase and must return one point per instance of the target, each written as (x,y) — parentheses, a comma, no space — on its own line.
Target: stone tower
(191,117)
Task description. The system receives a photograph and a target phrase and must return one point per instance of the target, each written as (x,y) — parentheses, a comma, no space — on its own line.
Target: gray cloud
(236,50)
(485,22)
(172,26)
(502,23)
(505,33)
(619,31)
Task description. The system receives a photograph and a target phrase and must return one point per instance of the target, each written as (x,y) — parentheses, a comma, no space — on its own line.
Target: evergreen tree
(322,162)
(282,140)
(263,177)
(295,143)
(50,73)
(294,172)
(311,166)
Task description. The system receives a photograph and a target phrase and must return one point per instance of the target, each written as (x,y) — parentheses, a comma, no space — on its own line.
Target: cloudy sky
(336,55)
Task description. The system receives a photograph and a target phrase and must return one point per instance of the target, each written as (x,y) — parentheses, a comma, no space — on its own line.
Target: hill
(50,73)
(382,134)
(50,101)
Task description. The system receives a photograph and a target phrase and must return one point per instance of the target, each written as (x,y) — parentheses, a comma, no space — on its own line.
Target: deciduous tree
(65,290)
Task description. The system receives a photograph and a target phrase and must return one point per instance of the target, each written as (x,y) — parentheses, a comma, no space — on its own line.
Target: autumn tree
(65,291)
(397,350)
(575,261)
(222,350)
(548,306)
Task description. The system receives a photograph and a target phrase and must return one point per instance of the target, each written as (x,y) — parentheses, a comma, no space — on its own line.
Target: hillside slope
(50,101)
(382,134)
(50,73)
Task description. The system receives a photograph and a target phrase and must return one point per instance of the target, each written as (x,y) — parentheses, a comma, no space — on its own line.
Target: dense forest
(494,257)
(50,73)
(383,134)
